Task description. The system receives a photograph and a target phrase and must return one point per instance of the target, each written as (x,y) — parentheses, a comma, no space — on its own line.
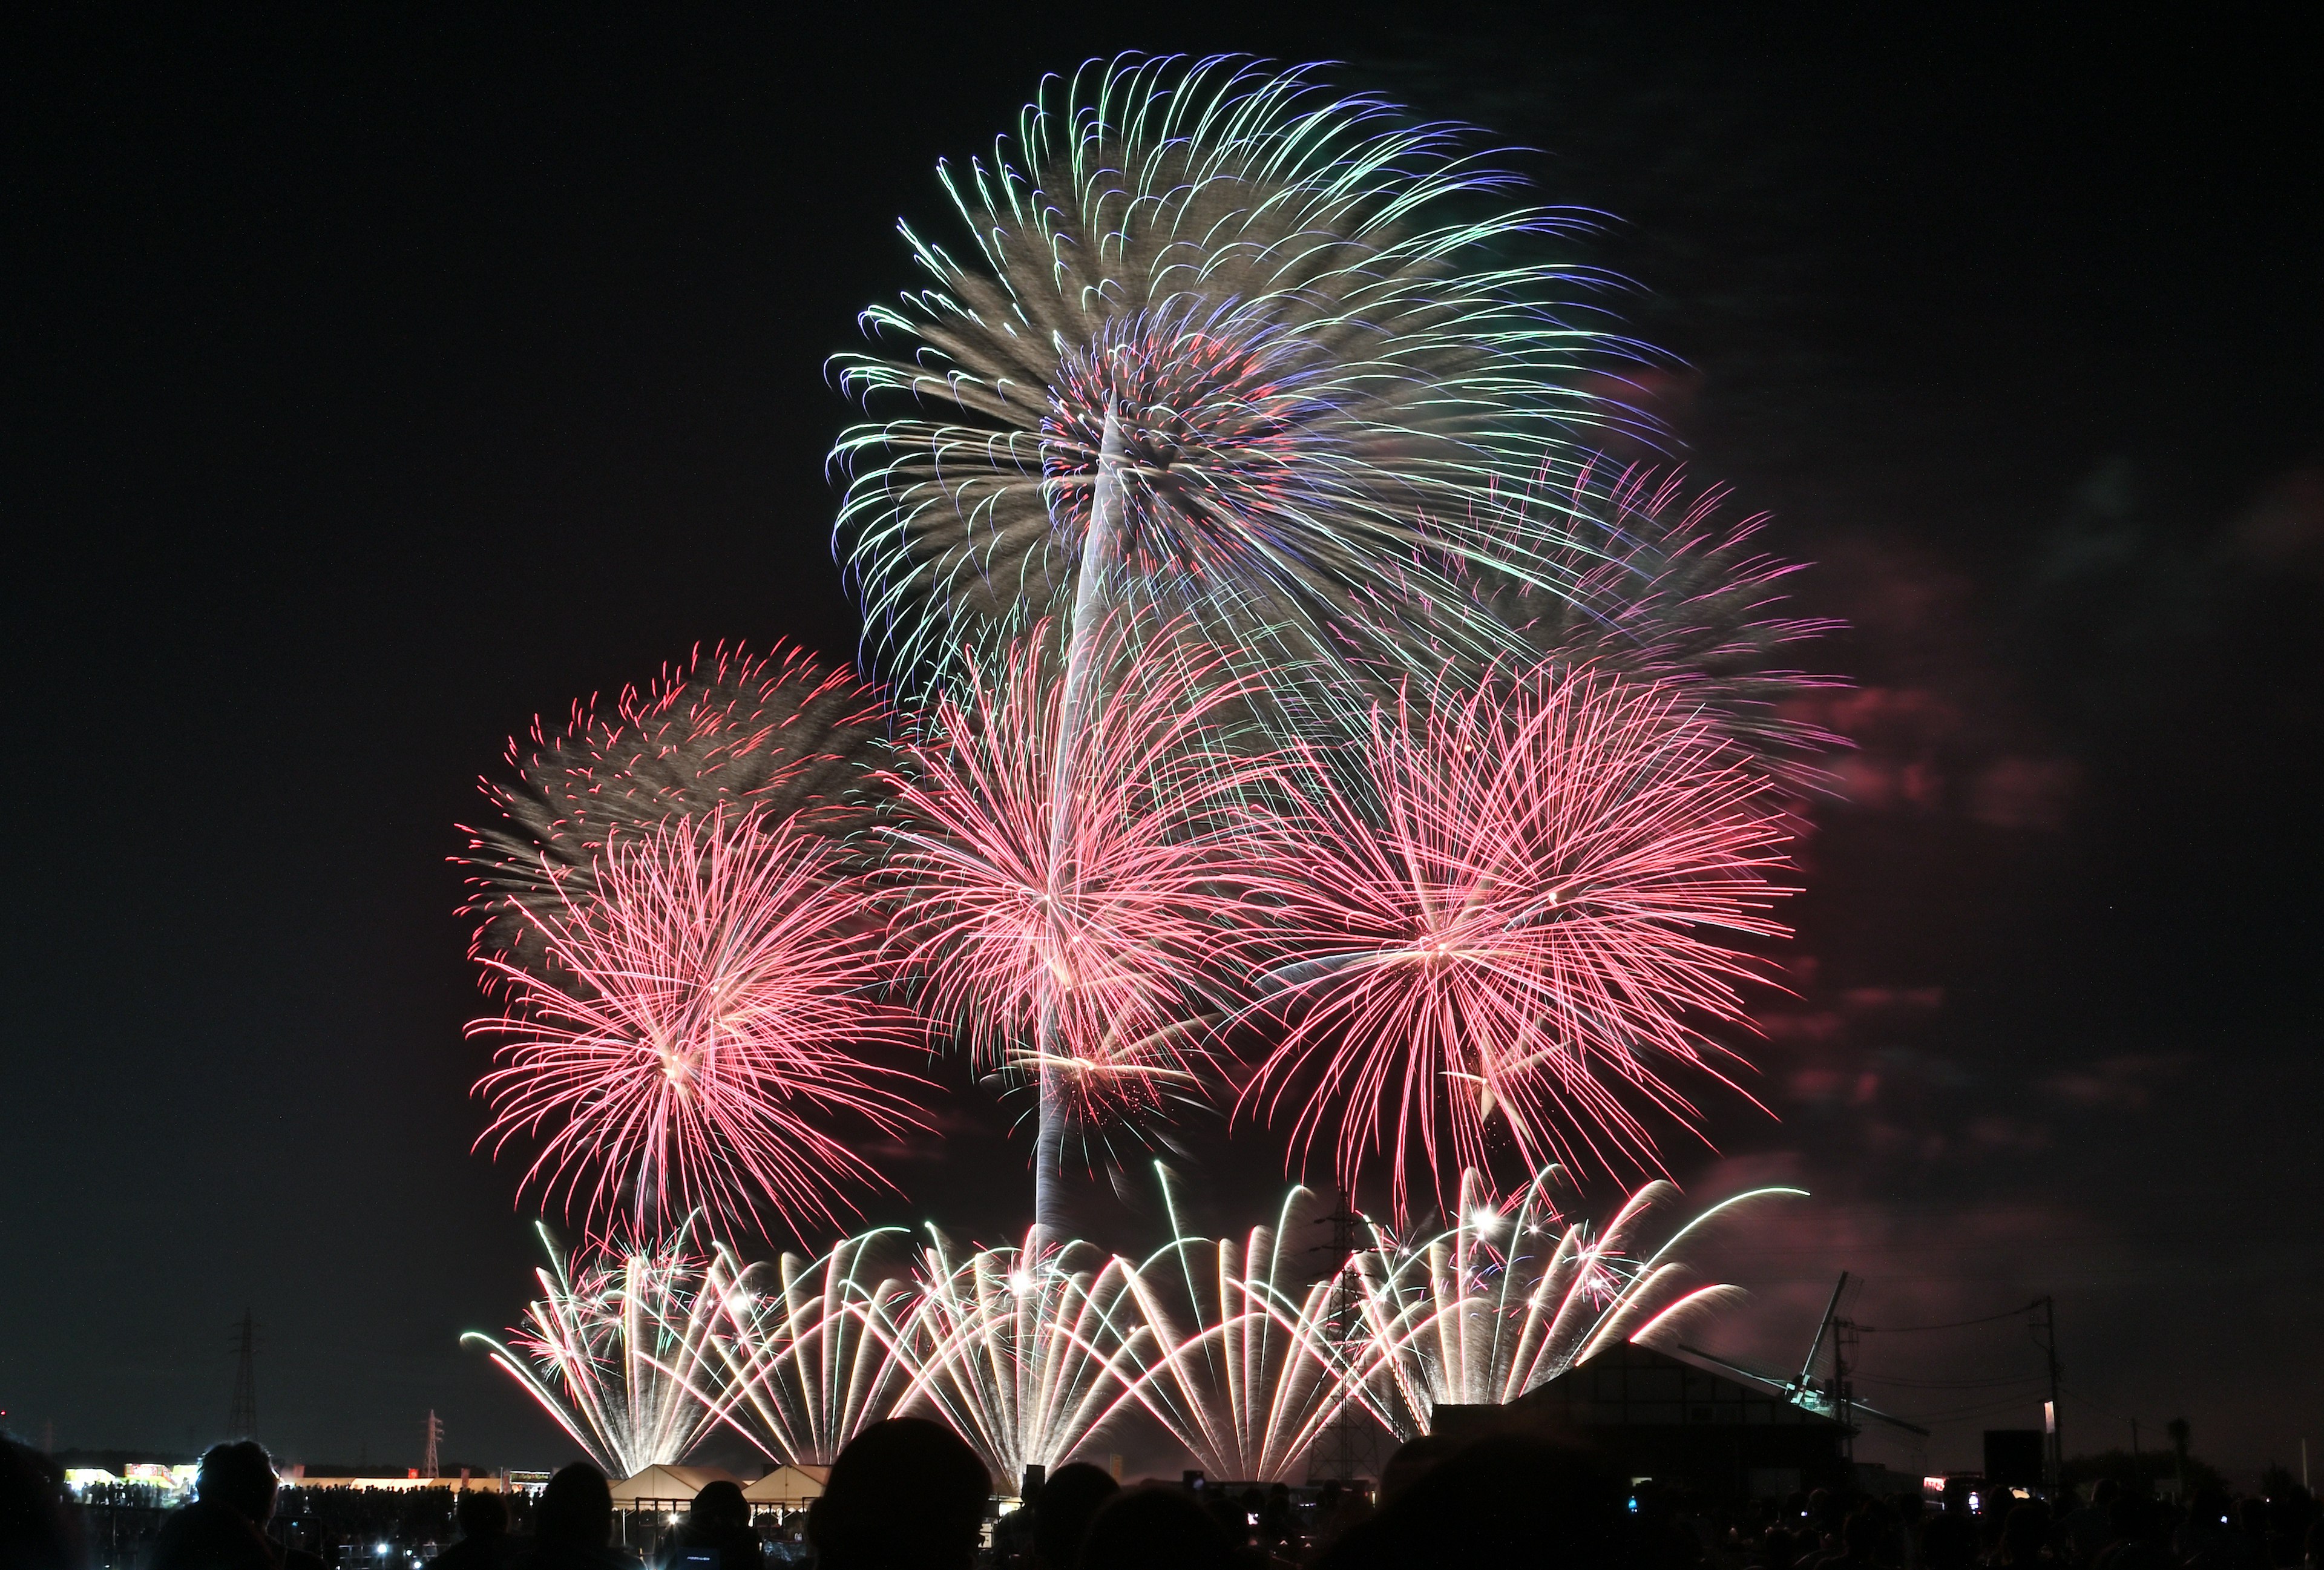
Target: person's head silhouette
(1070,1500)
(906,1494)
(1156,1528)
(482,1513)
(241,1477)
(719,1506)
(576,1510)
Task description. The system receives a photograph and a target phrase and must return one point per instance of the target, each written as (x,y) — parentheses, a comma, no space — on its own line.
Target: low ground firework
(815,1356)
(778,734)
(705,1018)
(1508,918)
(1512,1294)
(1241,1367)
(1084,949)
(1317,329)
(629,1350)
(1026,1351)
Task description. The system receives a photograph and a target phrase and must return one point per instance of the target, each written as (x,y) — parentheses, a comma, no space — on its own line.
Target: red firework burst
(1517,907)
(700,1021)
(778,733)
(1092,950)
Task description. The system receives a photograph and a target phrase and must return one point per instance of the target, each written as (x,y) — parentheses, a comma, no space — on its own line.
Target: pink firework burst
(1084,946)
(704,1016)
(779,733)
(1519,899)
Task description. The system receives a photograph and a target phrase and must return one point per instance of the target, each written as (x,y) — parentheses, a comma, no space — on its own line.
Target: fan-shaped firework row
(1299,721)
(1233,1349)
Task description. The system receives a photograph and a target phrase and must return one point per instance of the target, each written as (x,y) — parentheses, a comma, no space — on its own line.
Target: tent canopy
(788,1485)
(667,1484)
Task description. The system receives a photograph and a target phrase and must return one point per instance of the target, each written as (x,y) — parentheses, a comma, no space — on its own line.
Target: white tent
(788,1487)
(666,1486)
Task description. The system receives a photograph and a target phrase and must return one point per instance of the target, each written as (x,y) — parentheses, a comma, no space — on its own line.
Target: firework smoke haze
(780,733)
(1102,956)
(710,1007)
(1496,922)
(1320,358)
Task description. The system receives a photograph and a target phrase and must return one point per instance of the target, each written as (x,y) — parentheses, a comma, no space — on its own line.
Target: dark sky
(377,382)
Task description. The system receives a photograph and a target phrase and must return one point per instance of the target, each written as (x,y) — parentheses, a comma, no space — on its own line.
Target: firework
(707,1012)
(780,735)
(1511,1294)
(1026,1351)
(630,1353)
(1062,883)
(1506,919)
(814,1357)
(1659,588)
(1242,1367)
(1311,354)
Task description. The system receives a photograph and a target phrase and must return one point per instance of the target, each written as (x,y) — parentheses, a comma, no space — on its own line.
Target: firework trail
(1267,313)
(707,1009)
(630,1353)
(778,734)
(1240,1366)
(1026,1351)
(1658,589)
(1512,1294)
(1504,918)
(814,1358)
(1083,947)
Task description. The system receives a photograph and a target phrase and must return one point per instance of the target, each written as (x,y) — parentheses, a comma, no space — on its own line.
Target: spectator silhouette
(1070,1500)
(719,1520)
(2025,1533)
(1414,1460)
(1948,1542)
(906,1494)
(38,1530)
(572,1521)
(1156,1528)
(1508,1500)
(233,1498)
(485,1542)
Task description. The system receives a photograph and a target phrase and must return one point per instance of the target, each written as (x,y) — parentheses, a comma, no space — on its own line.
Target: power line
(1953,1324)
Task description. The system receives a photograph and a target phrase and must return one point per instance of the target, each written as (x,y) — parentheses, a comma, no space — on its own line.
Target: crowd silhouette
(907,1494)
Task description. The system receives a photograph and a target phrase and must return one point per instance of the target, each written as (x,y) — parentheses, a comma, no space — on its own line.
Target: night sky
(376,383)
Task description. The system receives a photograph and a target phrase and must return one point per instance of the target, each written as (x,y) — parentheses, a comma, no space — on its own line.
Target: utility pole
(241,1417)
(2054,1451)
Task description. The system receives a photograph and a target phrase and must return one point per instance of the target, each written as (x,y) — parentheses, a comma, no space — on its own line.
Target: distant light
(382,1548)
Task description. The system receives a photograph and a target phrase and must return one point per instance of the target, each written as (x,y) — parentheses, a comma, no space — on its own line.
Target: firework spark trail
(1316,364)
(1503,917)
(780,735)
(1241,1367)
(629,1353)
(1492,1306)
(814,1357)
(1094,956)
(706,1015)
(1662,590)
(1026,1351)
